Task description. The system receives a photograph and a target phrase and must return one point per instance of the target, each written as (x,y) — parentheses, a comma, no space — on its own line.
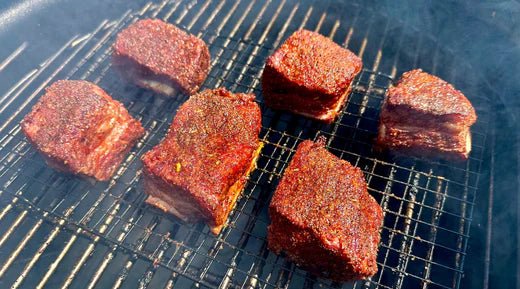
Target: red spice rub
(80,129)
(159,56)
(323,218)
(201,166)
(309,75)
(423,94)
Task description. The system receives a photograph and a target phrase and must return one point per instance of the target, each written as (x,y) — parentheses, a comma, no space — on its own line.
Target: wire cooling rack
(62,231)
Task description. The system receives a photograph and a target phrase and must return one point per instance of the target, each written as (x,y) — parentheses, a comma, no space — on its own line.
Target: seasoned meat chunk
(200,168)
(323,218)
(309,75)
(426,116)
(80,129)
(161,57)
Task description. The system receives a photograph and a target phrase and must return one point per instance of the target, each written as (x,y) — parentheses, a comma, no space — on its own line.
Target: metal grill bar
(199,14)
(12,56)
(44,84)
(24,80)
(108,221)
(215,249)
(73,238)
(415,196)
(56,230)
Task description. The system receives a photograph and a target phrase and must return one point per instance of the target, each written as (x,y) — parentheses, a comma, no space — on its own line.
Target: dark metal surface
(59,232)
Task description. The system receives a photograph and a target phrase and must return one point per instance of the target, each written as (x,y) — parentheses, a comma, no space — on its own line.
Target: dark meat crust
(155,50)
(210,146)
(323,218)
(309,74)
(80,129)
(427,97)
(311,60)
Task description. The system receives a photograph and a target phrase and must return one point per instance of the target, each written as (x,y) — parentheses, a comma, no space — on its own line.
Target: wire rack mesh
(58,231)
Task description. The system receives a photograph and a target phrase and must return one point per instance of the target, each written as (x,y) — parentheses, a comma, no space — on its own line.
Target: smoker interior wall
(484,34)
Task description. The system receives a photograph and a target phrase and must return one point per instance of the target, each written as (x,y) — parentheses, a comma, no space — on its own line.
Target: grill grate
(61,232)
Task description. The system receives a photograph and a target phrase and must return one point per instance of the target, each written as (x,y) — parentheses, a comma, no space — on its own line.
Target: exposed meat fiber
(425,116)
